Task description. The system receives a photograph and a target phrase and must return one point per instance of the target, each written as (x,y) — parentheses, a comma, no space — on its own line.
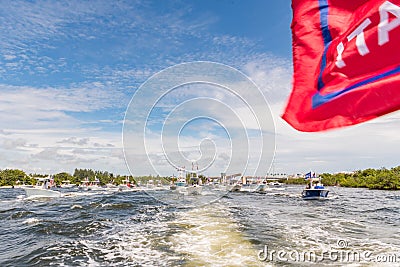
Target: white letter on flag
(360,40)
(384,26)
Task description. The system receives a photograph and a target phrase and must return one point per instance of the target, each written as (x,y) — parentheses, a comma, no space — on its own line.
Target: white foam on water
(317,236)
(6,204)
(80,194)
(31,221)
(129,243)
(76,207)
(210,237)
(88,252)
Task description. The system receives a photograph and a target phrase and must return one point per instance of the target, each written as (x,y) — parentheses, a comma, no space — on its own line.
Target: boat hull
(41,192)
(261,188)
(194,190)
(315,194)
(172,187)
(235,188)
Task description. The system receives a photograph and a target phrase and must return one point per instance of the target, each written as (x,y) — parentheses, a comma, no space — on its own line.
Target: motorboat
(194,189)
(249,188)
(314,190)
(275,183)
(195,186)
(43,188)
(67,184)
(90,185)
(111,185)
(235,187)
(180,183)
(126,185)
(172,186)
(262,187)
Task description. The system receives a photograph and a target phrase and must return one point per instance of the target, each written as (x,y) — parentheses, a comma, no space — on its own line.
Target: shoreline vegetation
(15,177)
(383,179)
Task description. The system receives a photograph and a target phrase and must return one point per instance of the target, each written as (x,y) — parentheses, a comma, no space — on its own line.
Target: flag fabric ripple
(346,59)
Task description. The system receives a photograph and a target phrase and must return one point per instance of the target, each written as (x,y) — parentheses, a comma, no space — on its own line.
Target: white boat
(235,184)
(160,186)
(67,184)
(180,184)
(42,189)
(275,183)
(41,192)
(7,186)
(195,186)
(262,187)
(126,185)
(248,188)
(150,184)
(111,186)
(194,190)
(235,187)
(90,185)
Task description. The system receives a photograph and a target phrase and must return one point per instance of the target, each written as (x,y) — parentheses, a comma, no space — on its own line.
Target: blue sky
(69,69)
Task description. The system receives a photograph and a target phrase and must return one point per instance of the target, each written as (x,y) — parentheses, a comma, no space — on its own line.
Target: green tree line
(9,177)
(385,179)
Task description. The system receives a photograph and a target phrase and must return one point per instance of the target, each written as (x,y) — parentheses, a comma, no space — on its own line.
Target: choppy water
(133,229)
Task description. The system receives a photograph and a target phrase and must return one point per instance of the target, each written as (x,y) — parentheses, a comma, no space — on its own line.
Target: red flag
(346,60)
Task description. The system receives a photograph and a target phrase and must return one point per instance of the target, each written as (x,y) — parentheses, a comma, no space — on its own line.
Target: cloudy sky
(68,71)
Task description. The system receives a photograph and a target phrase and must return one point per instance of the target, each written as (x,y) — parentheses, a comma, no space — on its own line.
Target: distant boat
(249,188)
(172,186)
(234,184)
(194,190)
(315,190)
(275,183)
(67,184)
(262,187)
(195,186)
(90,185)
(42,189)
(235,187)
(111,186)
(150,184)
(126,185)
(180,184)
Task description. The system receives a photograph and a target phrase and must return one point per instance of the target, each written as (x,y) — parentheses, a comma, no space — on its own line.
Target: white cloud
(75,141)
(9,57)
(272,75)
(59,127)
(372,144)
(43,137)
(47,107)
(14,143)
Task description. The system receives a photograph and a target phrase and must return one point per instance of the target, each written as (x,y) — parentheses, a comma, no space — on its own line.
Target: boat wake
(209,236)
